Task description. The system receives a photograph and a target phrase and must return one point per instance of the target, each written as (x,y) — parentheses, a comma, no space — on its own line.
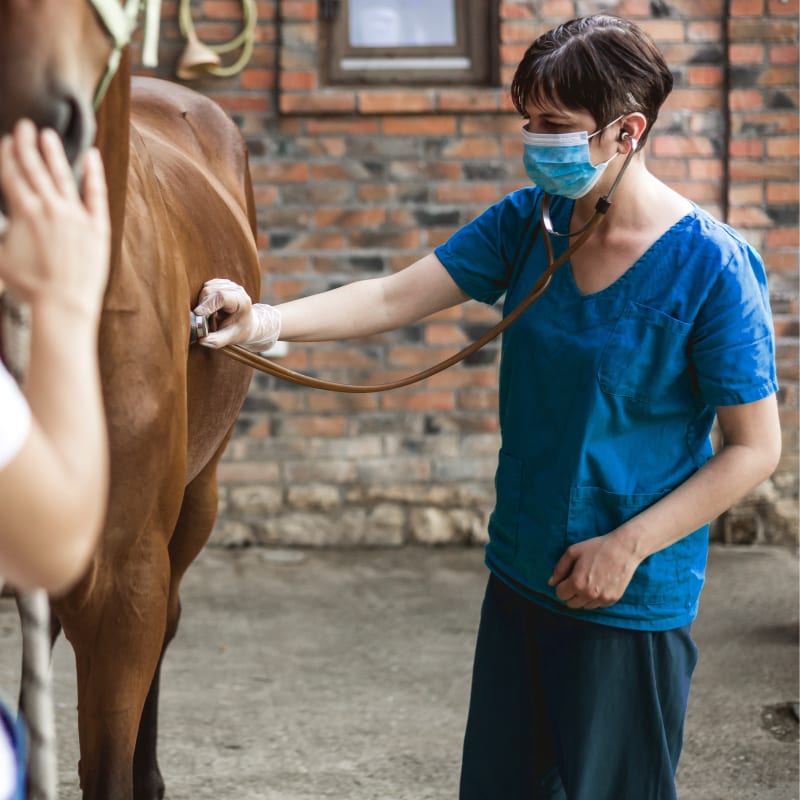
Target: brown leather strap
(271,368)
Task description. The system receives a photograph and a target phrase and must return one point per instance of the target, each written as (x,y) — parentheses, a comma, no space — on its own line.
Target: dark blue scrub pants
(567,710)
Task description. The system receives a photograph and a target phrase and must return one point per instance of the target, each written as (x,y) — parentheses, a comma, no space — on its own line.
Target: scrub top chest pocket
(645,354)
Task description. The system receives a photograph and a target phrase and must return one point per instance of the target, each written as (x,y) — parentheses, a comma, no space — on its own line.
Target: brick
(400,101)
(244,102)
(523,31)
(669,169)
(349,218)
(704,76)
(329,101)
(705,31)
(745,99)
(747,53)
(695,99)
(298,9)
(445,334)
(762,170)
(248,472)
(556,10)
(742,194)
(783,54)
(516,10)
(783,193)
(785,261)
(634,9)
(748,218)
(783,147)
(778,76)
(664,30)
(705,169)
(783,8)
(746,148)
(461,193)
(472,148)
(423,125)
(747,8)
(762,30)
(783,237)
(419,401)
(469,100)
(302,80)
(279,172)
(351,126)
(681,146)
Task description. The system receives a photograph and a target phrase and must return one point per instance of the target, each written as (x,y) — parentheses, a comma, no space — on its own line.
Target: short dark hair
(602,64)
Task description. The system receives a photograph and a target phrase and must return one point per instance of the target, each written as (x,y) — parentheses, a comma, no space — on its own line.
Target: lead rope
(36,695)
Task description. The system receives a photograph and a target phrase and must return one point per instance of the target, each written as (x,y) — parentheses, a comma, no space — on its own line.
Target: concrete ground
(302,675)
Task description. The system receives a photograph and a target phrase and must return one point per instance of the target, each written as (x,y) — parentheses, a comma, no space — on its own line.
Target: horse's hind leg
(197,516)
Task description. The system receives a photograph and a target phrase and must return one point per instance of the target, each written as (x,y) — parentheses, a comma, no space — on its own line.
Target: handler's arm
(357,309)
(55,256)
(596,572)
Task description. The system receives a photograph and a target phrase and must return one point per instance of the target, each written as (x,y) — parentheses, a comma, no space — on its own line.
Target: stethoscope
(199,325)
(600,210)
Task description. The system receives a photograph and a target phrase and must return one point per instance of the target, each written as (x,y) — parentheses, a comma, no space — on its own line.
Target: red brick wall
(353,183)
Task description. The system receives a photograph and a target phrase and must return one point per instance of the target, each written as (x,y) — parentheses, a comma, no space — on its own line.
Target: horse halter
(120,22)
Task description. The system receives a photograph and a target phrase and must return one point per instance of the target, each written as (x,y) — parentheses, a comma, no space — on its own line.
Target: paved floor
(345,674)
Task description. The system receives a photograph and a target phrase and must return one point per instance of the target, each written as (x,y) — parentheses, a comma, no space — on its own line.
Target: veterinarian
(54,255)
(609,385)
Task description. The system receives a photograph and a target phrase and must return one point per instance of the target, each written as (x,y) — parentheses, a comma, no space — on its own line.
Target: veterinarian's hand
(256,327)
(594,573)
(56,245)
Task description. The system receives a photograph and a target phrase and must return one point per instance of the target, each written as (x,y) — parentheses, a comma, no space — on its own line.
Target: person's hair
(602,64)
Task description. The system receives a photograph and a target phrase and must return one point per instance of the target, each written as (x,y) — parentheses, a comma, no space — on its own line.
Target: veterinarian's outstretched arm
(357,309)
(54,255)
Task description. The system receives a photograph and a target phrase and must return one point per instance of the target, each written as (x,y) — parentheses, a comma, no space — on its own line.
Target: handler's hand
(594,573)
(256,327)
(57,242)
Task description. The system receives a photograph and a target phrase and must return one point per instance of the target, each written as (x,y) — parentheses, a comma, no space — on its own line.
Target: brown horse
(182,212)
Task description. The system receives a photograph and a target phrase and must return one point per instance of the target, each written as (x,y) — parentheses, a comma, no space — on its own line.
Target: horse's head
(53,54)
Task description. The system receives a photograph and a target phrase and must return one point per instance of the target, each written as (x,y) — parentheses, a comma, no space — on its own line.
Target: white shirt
(15,418)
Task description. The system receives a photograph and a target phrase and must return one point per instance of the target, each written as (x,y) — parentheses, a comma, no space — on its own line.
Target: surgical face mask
(559,163)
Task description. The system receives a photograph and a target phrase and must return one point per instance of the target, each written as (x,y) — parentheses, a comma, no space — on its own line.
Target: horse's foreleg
(194,525)
(117,632)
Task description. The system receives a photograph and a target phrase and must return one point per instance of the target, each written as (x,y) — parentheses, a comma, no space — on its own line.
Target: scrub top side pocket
(645,354)
(595,512)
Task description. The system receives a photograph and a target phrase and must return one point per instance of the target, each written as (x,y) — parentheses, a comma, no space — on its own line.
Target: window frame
(477,41)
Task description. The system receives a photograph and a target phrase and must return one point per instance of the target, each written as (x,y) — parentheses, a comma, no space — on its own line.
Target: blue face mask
(559,163)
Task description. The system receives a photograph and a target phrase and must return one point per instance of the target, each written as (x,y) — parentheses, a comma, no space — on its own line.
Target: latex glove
(56,243)
(254,326)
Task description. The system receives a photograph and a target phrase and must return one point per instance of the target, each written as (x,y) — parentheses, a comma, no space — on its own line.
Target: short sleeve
(733,346)
(15,418)
(480,257)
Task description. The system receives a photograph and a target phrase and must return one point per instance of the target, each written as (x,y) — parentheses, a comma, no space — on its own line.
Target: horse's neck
(113,138)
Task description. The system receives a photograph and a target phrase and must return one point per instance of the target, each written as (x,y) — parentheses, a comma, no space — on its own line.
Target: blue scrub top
(607,399)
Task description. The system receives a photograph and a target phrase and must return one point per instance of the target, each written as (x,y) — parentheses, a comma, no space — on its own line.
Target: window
(420,42)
